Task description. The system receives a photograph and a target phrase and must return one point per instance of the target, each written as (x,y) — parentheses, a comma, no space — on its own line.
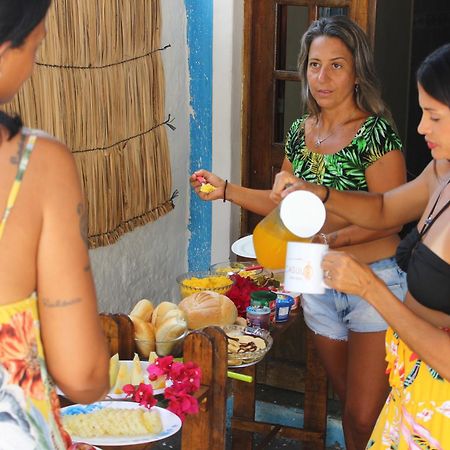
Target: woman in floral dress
(49,327)
(417,412)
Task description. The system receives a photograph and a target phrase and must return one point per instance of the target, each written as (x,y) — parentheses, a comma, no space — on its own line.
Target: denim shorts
(334,313)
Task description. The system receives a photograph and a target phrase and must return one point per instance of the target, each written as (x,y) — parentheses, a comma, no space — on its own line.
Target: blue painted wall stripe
(199,37)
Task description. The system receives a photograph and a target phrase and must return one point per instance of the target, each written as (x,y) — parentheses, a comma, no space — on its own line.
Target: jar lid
(284,300)
(258,310)
(302,213)
(263,295)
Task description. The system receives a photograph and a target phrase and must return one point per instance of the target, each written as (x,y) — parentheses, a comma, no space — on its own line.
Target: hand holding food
(207,185)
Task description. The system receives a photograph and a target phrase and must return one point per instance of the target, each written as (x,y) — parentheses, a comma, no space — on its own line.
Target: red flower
(185,379)
(240,292)
(160,367)
(143,394)
(19,354)
(181,403)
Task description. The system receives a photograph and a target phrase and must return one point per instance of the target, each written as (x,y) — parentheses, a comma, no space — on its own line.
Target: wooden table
(243,422)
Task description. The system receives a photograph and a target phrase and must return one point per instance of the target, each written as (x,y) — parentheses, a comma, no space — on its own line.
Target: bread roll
(167,332)
(208,308)
(144,333)
(160,311)
(143,309)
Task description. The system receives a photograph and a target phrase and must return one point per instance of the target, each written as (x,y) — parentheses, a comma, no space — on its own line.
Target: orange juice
(270,238)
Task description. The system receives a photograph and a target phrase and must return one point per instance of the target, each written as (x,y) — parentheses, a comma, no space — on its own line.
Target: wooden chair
(313,433)
(208,348)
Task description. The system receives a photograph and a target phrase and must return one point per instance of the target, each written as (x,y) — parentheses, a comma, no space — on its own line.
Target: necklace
(320,140)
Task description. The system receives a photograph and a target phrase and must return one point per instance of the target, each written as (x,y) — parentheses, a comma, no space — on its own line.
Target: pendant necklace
(320,140)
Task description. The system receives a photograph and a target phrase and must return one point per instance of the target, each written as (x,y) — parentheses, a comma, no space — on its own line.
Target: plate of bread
(115,423)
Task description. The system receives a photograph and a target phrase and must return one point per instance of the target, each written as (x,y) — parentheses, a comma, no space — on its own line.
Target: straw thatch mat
(99,87)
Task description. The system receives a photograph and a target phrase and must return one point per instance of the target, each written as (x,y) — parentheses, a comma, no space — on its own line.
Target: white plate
(170,421)
(144,365)
(244,247)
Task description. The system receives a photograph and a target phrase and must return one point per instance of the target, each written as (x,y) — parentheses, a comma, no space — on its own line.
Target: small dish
(199,281)
(243,268)
(246,358)
(244,247)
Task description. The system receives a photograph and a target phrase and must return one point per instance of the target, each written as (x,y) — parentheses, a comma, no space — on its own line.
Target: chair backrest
(119,332)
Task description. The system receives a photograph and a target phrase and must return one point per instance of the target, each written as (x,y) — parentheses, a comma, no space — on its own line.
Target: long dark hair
(18,19)
(434,77)
(434,74)
(368,96)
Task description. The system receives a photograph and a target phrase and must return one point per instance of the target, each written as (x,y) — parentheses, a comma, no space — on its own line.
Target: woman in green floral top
(344,141)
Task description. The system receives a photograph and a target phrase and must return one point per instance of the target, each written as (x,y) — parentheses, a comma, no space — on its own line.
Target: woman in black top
(417,412)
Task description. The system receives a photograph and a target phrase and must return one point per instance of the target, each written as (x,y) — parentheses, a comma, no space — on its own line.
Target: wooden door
(271,82)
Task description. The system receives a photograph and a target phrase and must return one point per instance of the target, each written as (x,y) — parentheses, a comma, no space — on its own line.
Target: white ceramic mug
(303,271)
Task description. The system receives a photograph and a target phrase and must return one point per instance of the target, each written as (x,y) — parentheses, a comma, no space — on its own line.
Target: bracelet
(225,191)
(327,195)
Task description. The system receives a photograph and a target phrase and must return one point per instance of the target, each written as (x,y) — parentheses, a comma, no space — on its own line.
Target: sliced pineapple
(137,376)
(113,369)
(152,357)
(123,377)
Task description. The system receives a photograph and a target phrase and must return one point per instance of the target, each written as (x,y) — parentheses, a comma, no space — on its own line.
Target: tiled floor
(284,407)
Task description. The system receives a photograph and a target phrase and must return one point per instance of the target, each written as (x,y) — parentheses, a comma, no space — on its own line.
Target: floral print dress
(417,412)
(29,405)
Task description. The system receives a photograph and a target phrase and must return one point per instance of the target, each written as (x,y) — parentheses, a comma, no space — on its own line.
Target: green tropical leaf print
(413,374)
(423,443)
(435,374)
(346,168)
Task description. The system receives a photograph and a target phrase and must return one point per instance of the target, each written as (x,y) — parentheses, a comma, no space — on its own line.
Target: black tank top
(428,275)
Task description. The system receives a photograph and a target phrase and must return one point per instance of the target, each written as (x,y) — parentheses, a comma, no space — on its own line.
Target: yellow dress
(417,412)
(29,405)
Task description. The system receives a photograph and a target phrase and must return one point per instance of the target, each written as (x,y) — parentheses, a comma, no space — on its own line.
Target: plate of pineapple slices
(122,372)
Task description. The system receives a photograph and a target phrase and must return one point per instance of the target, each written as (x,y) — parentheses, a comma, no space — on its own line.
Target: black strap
(429,220)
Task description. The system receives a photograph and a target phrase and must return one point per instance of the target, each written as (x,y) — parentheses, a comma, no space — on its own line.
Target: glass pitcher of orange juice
(297,219)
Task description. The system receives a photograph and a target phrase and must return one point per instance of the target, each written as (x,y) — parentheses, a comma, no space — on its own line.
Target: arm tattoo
(60,303)
(82,213)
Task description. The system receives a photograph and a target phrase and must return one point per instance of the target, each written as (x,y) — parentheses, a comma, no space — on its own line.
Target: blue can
(283,307)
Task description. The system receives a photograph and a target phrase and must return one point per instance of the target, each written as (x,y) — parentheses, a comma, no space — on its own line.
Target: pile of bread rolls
(156,328)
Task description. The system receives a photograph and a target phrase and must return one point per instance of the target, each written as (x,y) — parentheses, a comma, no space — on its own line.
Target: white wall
(144,263)
(227,101)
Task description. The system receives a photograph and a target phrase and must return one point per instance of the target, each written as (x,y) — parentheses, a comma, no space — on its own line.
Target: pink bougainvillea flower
(142,394)
(160,367)
(181,403)
(188,379)
(19,354)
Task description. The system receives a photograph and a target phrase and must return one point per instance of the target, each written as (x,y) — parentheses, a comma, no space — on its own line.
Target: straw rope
(99,87)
